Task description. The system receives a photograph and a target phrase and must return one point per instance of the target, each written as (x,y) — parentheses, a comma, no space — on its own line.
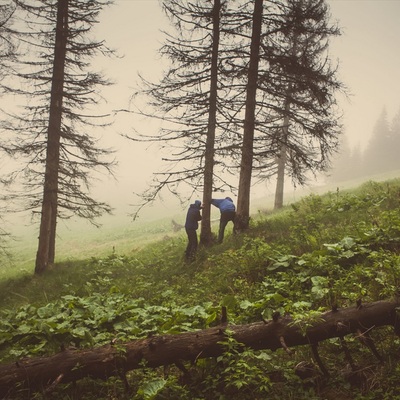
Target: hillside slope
(318,253)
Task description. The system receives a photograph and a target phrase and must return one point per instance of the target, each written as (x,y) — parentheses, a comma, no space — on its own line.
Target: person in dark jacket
(193,217)
(228,213)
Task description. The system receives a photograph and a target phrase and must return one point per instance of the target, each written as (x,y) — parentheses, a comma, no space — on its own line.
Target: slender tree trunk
(47,234)
(246,165)
(205,235)
(280,179)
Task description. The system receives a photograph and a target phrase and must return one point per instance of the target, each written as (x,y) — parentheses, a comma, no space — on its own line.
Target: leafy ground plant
(321,252)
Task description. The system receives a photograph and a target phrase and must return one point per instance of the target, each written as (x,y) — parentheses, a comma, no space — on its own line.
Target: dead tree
(115,360)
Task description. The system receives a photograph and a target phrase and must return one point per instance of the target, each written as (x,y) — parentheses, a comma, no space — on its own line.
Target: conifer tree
(292,86)
(188,99)
(8,58)
(378,152)
(246,165)
(346,162)
(395,135)
(300,83)
(55,134)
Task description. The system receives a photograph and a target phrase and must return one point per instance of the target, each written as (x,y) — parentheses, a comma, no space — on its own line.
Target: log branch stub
(347,354)
(224,315)
(317,358)
(367,341)
(284,345)
(275,316)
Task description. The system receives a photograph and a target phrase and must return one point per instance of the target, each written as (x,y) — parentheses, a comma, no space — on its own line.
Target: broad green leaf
(245,304)
(24,328)
(229,302)
(150,389)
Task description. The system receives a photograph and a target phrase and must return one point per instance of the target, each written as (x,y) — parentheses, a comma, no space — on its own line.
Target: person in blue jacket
(193,217)
(228,213)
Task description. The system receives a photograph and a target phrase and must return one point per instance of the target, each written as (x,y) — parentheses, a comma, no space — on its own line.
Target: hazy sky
(368,54)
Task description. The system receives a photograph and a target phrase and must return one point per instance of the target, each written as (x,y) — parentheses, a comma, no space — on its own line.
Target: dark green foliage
(321,252)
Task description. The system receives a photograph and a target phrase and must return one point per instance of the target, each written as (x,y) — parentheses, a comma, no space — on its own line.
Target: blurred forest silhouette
(380,154)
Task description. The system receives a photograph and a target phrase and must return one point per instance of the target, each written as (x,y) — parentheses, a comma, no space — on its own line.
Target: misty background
(368,57)
(367,53)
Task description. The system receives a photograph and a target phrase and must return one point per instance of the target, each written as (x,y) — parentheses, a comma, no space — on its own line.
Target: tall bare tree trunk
(47,234)
(282,158)
(205,235)
(281,161)
(246,165)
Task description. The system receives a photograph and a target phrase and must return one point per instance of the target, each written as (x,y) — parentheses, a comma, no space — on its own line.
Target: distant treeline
(380,155)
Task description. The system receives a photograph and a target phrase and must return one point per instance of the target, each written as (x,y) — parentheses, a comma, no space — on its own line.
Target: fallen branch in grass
(281,332)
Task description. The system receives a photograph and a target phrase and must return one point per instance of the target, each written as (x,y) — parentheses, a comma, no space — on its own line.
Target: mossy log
(110,360)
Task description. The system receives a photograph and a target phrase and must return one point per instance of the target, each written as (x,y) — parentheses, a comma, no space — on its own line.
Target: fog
(367,53)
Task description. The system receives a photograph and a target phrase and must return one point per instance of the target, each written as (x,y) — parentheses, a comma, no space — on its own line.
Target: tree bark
(103,362)
(205,234)
(246,164)
(47,234)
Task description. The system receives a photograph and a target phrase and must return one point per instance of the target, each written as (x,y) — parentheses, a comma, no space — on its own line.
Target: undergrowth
(321,252)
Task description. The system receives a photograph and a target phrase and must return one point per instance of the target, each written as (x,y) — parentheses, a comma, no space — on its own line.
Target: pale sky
(368,54)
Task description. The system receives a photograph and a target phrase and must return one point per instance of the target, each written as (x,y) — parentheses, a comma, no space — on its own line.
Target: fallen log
(110,360)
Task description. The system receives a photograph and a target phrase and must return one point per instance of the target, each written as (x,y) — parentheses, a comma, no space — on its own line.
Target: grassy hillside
(324,250)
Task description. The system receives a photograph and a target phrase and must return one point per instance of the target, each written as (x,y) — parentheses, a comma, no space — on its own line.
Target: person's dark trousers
(225,218)
(192,244)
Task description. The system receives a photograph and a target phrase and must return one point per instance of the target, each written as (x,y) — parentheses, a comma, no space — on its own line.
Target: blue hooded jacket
(224,205)
(193,216)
